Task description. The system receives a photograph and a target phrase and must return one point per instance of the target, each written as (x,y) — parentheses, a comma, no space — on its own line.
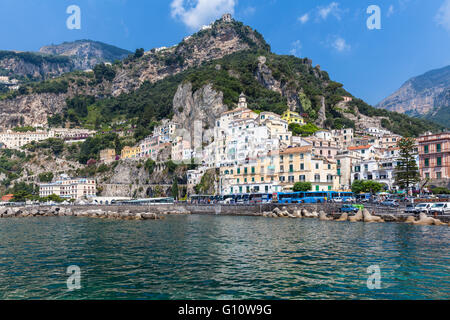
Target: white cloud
(443,15)
(340,44)
(332,9)
(296,48)
(196,13)
(390,11)
(304,18)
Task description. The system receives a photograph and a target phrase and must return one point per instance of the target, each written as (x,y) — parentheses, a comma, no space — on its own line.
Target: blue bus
(303,197)
(345,196)
(314,197)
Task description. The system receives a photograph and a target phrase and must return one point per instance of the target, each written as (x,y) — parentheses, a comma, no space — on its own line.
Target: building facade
(434,156)
(69,188)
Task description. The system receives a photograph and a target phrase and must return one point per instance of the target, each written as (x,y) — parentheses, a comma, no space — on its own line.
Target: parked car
(390,203)
(423,207)
(441,208)
(349,208)
(410,208)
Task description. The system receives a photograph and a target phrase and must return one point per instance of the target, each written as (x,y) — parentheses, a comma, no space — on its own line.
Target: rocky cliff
(423,96)
(85,54)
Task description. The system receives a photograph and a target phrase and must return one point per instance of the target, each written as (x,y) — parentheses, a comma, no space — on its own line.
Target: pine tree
(407,173)
(175,189)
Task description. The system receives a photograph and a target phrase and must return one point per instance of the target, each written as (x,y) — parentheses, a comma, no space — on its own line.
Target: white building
(241,135)
(16,140)
(69,188)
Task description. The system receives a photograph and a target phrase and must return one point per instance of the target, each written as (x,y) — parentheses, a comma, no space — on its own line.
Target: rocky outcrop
(86,54)
(30,110)
(204,105)
(41,70)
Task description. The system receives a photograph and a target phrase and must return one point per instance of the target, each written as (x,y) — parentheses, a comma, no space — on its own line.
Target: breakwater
(324,212)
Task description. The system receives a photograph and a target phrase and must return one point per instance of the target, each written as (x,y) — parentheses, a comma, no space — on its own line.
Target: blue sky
(414,36)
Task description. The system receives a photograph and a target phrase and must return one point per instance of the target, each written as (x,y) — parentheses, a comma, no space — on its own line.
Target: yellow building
(279,171)
(293,117)
(130,152)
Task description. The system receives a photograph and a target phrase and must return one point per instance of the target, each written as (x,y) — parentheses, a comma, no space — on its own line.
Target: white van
(423,207)
(441,208)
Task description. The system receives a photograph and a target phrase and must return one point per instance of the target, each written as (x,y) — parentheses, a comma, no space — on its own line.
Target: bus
(259,198)
(303,197)
(203,199)
(344,196)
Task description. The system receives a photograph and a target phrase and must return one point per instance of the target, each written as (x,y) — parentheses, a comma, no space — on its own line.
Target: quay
(158,211)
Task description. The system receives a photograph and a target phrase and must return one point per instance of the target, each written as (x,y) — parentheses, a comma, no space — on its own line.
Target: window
(245,170)
(302,166)
(262,179)
(291,168)
(239,171)
(427,175)
(317,178)
(317,166)
(302,178)
(427,162)
(426,149)
(438,175)
(438,147)
(253,169)
(439,161)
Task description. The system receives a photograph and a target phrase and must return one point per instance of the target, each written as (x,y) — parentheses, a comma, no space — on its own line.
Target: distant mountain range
(55,60)
(426,96)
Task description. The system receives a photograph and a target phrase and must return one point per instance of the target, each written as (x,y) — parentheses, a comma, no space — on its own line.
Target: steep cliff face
(422,96)
(33,66)
(203,106)
(85,54)
(31,110)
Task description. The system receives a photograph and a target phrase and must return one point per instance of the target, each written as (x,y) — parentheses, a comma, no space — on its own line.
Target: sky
(411,38)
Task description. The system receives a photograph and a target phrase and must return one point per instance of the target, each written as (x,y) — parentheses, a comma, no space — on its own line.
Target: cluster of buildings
(256,153)
(16,140)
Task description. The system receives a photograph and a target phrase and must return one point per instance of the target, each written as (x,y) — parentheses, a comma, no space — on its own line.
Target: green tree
(150,166)
(46,177)
(364,186)
(302,187)
(407,173)
(175,189)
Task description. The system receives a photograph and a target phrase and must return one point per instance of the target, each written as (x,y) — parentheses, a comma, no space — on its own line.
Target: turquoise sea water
(212,257)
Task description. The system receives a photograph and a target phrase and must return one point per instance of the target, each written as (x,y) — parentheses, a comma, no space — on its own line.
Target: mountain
(53,61)
(197,79)
(426,96)
(85,54)
(26,66)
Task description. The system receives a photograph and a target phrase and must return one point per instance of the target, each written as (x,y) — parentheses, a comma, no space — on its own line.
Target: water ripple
(209,257)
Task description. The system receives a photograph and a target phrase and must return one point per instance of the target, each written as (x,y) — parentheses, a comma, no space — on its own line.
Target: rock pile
(9,212)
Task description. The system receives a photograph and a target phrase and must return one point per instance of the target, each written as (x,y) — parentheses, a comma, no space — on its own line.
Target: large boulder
(357,217)
(370,218)
(343,217)
(323,216)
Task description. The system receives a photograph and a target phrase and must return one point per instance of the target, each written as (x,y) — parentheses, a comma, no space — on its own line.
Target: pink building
(434,156)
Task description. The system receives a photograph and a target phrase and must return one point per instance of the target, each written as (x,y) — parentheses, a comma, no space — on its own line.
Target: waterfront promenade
(159,211)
